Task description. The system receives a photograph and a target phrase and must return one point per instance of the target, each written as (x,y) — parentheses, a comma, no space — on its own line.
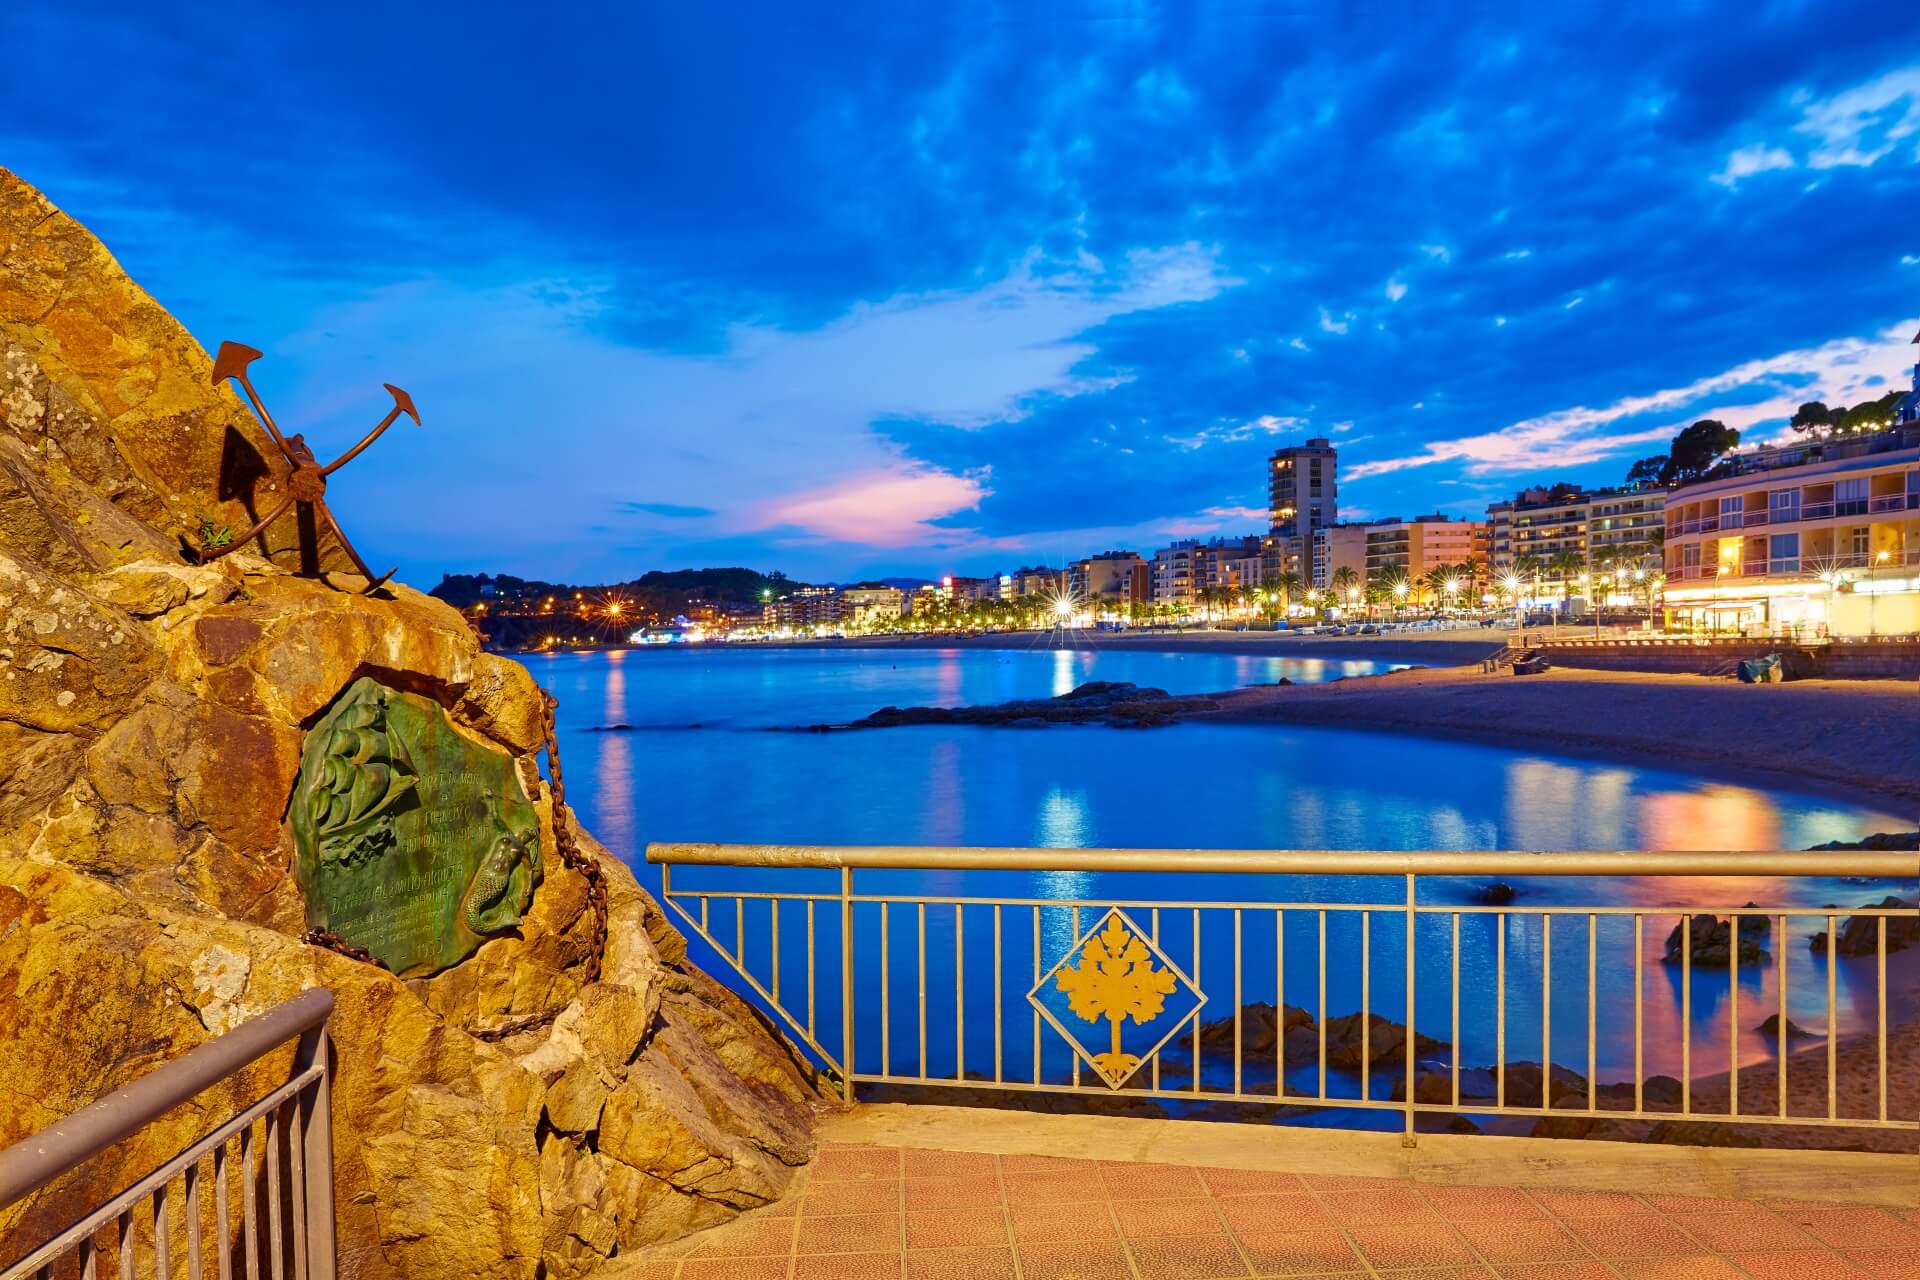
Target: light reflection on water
(1214,786)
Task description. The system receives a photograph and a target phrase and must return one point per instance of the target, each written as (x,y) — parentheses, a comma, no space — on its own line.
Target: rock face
(152,716)
(1113,702)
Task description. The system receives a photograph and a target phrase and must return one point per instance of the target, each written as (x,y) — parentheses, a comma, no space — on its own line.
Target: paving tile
(1295,1212)
(952,1193)
(1407,1245)
(849,1233)
(1699,1204)
(1892,1264)
(1845,1228)
(1634,1235)
(836,1199)
(746,1238)
(650,1269)
(960,1264)
(1176,1217)
(1795,1264)
(734,1269)
(787,1207)
(1242,1182)
(1054,1188)
(1298,1253)
(1075,1260)
(847,1266)
(1587,1270)
(843,1164)
(1040,1223)
(950,1164)
(1588,1204)
(1139,1181)
(1752,1230)
(1347,1182)
(1481,1204)
(1205,1257)
(1474,1272)
(1046,1164)
(1394,1204)
(1523,1240)
(952,1228)
(1699,1267)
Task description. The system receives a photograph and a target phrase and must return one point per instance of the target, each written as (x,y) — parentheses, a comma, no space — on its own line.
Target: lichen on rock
(152,720)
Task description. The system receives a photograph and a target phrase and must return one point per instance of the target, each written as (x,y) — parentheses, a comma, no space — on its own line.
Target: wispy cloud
(893,507)
(1857,127)
(671,510)
(1842,371)
(1267,424)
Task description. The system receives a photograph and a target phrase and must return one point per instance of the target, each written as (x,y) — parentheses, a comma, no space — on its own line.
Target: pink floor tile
(1041,1223)
(834,1199)
(1700,1267)
(746,1238)
(1241,1182)
(1586,1270)
(1054,1188)
(1846,1228)
(1756,1229)
(734,1269)
(953,1228)
(841,1164)
(950,1164)
(952,1193)
(1134,1182)
(1588,1204)
(1634,1235)
(1481,1203)
(849,1233)
(1892,1264)
(1298,1253)
(847,1266)
(1795,1264)
(1179,1217)
(1075,1260)
(1208,1257)
(1523,1241)
(960,1264)
(1401,1246)
(1281,1212)
(1398,1204)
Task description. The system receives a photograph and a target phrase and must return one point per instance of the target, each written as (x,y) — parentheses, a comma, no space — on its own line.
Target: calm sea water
(708,757)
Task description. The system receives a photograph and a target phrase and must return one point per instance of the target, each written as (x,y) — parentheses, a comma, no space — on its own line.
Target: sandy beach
(1857,739)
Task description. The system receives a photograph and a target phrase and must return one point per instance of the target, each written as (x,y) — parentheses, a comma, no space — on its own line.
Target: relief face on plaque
(413,840)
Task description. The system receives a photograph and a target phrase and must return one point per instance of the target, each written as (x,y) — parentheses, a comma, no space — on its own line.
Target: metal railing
(949,990)
(277,1221)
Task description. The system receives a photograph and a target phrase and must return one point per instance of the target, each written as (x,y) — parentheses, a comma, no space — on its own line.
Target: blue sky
(915,289)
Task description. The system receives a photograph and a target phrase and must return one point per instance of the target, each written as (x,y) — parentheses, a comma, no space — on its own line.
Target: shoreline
(1442,648)
(1853,740)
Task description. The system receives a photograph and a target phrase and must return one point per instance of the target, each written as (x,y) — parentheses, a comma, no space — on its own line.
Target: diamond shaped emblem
(1114,973)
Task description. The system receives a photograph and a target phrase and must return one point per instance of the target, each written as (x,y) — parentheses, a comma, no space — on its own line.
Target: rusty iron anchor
(306,481)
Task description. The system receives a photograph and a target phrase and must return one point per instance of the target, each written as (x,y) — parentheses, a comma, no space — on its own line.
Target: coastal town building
(1303,491)
(1596,526)
(1337,547)
(1039,581)
(1173,579)
(803,610)
(1409,550)
(1819,537)
(866,607)
(1112,577)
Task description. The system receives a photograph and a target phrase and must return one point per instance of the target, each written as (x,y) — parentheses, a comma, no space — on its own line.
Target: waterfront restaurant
(1811,540)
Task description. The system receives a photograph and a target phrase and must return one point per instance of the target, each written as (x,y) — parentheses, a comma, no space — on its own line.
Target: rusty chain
(570,856)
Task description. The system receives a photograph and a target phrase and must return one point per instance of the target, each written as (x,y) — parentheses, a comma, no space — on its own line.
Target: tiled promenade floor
(871,1212)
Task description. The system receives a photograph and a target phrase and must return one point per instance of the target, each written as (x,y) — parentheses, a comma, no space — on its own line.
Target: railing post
(846,984)
(316,1144)
(1407,1136)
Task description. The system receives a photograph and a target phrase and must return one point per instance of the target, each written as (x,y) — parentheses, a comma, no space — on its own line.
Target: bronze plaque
(413,840)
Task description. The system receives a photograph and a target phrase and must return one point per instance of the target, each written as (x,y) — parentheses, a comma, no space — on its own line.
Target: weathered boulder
(1710,941)
(517,1114)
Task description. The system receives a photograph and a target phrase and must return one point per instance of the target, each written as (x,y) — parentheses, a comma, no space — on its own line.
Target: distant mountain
(661,591)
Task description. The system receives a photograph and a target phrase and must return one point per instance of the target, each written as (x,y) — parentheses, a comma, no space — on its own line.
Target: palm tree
(1288,584)
(1436,582)
(1345,582)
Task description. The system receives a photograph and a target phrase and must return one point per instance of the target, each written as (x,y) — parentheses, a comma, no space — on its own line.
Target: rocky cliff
(152,715)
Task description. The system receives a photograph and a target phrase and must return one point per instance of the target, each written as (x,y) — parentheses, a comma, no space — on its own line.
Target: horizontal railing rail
(295,1118)
(1034,973)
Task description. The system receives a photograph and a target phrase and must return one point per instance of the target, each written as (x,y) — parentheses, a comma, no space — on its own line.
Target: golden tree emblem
(1115,979)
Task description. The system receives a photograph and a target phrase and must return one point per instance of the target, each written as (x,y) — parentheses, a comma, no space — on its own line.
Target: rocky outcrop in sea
(1112,702)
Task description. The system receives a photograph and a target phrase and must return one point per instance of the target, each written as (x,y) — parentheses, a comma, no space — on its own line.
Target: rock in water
(154,719)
